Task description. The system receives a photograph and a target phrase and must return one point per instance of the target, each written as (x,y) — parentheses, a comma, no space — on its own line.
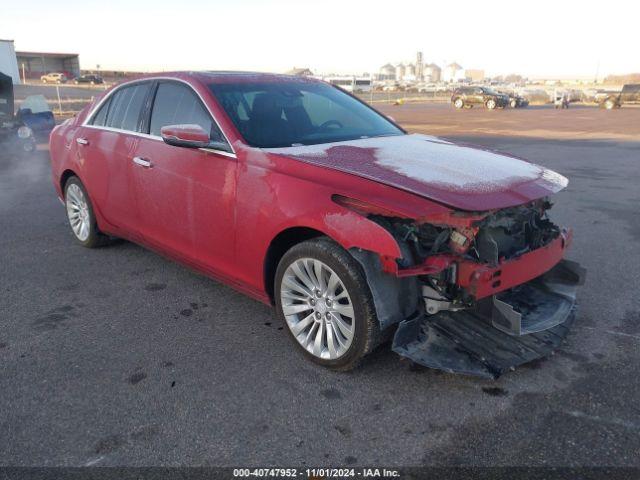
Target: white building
(432,73)
(8,60)
(453,73)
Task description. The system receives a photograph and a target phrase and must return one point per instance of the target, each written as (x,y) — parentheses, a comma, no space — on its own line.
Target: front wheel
(80,214)
(29,145)
(609,104)
(322,296)
(491,104)
(514,103)
(458,103)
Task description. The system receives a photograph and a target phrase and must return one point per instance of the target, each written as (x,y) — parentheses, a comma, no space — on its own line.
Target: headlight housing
(24,132)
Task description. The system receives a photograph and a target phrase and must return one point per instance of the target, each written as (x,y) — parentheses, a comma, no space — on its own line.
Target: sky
(537,38)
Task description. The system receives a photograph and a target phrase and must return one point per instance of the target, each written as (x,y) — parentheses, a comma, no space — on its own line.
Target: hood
(456,175)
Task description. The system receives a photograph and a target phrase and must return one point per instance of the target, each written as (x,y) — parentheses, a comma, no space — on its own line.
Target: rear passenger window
(125,107)
(177,104)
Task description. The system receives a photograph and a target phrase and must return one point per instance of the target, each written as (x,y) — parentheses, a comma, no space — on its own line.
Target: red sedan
(302,196)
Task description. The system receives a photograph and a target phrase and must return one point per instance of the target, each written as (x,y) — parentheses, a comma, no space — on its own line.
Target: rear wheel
(490,104)
(514,103)
(80,215)
(609,104)
(322,296)
(458,103)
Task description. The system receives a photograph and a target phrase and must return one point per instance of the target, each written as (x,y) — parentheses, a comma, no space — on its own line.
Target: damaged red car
(302,196)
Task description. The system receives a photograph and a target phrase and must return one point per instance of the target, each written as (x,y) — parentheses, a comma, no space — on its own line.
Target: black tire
(95,238)
(491,104)
(367,334)
(458,103)
(29,146)
(514,104)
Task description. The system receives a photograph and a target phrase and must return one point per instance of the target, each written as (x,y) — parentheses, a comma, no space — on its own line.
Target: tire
(79,209)
(295,300)
(609,104)
(490,104)
(458,103)
(29,145)
(514,104)
(44,81)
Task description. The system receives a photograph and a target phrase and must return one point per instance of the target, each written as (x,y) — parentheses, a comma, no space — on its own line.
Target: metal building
(36,64)
(8,64)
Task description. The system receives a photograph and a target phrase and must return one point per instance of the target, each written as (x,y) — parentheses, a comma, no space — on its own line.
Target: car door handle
(143,162)
(82,141)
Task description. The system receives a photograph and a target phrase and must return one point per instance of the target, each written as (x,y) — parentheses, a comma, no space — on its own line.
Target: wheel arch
(64,178)
(347,229)
(280,244)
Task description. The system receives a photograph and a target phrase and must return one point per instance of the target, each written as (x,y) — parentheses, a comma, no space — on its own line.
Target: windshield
(490,91)
(284,114)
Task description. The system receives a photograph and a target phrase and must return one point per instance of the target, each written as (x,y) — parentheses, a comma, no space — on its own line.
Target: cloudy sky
(536,38)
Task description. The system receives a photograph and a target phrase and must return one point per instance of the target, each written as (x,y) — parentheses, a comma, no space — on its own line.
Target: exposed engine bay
(496,290)
(493,238)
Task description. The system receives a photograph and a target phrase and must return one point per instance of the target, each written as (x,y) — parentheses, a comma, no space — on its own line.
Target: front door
(185,196)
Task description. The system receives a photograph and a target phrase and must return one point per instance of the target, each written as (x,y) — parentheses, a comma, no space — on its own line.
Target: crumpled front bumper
(506,330)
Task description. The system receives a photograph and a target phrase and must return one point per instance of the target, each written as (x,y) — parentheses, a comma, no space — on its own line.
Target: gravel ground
(117,356)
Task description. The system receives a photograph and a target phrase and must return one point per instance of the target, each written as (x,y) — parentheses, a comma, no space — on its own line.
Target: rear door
(185,196)
(105,144)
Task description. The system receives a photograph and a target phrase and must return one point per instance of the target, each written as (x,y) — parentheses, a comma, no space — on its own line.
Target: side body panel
(186,203)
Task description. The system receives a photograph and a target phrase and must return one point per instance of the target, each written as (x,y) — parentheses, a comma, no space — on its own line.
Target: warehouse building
(8,63)
(36,64)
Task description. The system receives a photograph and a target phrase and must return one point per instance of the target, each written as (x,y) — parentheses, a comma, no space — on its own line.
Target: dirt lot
(117,356)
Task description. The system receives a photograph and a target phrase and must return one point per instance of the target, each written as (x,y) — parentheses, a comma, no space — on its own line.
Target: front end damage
(475,293)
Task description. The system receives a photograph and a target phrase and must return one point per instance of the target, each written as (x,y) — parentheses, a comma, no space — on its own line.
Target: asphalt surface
(117,356)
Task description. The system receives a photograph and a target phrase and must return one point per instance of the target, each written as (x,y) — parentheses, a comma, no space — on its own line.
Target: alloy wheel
(78,212)
(317,308)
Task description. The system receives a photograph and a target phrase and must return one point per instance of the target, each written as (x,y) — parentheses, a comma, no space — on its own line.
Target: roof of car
(230,76)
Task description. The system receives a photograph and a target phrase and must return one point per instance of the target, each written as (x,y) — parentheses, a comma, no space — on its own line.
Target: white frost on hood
(434,161)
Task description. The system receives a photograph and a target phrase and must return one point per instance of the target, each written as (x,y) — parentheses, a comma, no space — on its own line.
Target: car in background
(92,79)
(54,77)
(306,198)
(430,88)
(32,122)
(535,95)
(471,96)
(630,93)
(516,101)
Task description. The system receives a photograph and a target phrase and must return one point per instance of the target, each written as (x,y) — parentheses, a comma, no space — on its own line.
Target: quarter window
(177,104)
(100,118)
